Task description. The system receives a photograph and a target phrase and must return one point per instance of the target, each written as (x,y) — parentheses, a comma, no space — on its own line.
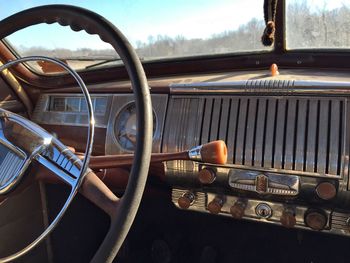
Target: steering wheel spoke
(57,170)
(61,161)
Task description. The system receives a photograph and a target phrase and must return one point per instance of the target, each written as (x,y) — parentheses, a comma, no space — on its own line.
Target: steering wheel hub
(20,142)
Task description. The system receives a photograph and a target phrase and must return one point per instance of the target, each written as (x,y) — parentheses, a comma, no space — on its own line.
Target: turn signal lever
(213,152)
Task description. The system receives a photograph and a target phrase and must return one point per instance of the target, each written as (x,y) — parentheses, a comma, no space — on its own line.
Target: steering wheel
(22,141)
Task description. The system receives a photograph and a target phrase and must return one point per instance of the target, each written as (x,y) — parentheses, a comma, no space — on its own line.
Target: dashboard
(288,146)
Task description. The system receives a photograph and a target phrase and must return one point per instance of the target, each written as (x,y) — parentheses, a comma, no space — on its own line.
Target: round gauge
(125,127)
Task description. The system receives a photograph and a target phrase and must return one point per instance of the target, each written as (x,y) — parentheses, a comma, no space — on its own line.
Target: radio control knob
(237,210)
(186,200)
(215,205)
(315,219)
(206,176)
(288,219)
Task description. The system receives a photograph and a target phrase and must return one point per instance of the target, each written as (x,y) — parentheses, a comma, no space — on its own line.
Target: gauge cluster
(121,129)
(125,127)
(114,112)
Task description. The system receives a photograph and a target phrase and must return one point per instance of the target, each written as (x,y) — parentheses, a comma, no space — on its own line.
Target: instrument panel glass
(125,127)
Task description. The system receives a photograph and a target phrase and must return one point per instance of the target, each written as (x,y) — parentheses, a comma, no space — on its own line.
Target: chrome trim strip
(273,170)
(266,87)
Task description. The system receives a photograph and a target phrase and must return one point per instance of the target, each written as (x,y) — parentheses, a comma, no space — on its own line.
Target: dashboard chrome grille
(290,133)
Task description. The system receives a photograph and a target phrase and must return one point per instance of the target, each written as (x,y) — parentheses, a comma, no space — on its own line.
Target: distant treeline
(318,28)
(305,29)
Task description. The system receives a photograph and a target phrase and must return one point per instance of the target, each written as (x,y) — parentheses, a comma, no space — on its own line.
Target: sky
(138,19)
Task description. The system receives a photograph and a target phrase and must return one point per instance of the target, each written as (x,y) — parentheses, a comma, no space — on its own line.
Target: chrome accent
(201,201)
(9,167)
(56,170)
(263,210)
(195,153)
(43,115)
(43,143)
(265,133)
(182,173)
(275,184)
(340,223)
(265,87)
(23,140)
(159,104)
(190,196)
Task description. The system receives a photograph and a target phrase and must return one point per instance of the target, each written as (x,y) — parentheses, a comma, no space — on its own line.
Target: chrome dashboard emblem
(268,183)
(261,184)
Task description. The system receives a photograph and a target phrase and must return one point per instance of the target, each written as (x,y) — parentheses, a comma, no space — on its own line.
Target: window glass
(157,29)
(318,24)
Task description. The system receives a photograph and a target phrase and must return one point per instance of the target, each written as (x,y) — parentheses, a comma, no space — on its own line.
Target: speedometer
(125,127)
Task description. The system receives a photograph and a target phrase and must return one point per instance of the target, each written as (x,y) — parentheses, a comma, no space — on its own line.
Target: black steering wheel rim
(81,19)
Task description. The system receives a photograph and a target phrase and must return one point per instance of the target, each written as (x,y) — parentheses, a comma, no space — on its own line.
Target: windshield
(157,30)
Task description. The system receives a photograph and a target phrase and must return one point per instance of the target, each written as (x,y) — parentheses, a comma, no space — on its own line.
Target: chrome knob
(237,210)
(215,205)
(326,190)
(287,218)
(206,176)
(316,219)
(186,200)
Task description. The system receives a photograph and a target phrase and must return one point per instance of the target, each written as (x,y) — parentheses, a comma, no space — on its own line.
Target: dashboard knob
(206,176)
(315,219)
(215,205)
(237,210)
(326,190)
(274,70)
(288,219)
(186,200)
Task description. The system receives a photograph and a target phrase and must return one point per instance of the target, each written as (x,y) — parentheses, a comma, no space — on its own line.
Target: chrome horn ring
(75,182)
